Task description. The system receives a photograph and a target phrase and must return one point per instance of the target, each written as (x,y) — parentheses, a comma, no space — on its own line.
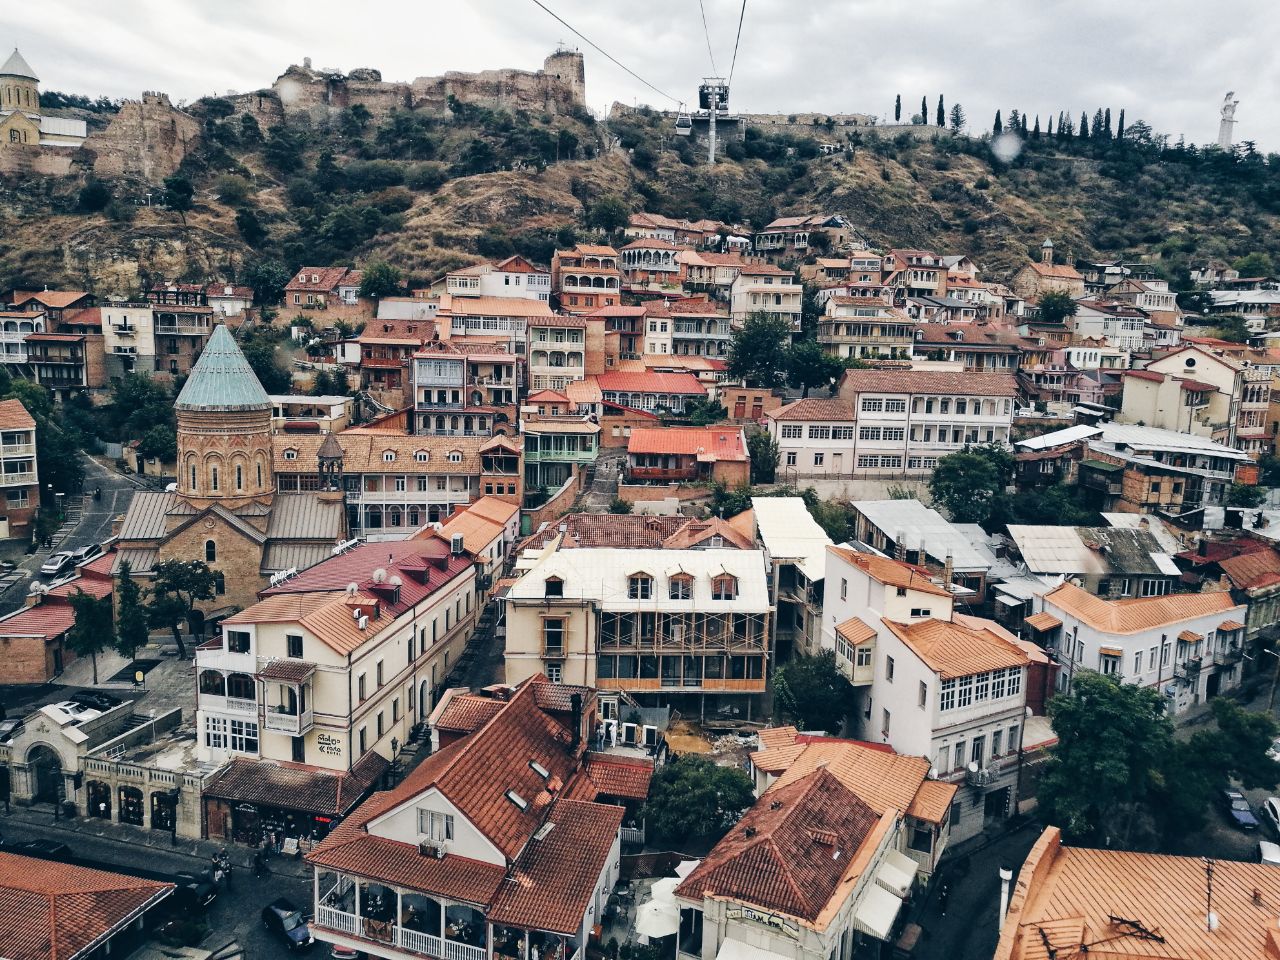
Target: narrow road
(604,487)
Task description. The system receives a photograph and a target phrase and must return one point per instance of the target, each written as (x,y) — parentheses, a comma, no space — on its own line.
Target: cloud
(1168,63)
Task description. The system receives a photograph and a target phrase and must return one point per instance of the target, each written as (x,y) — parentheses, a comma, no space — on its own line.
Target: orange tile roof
(932,802)
(1231,625)
(1059,270)
(782,855)
(882,780)
(1251,569)
(14,416)
(495,306)
(771,737)
(1070,896)
(467,713)
(1042,621)
(1139,613)
(47,620)
(613,776)
(956,650)
(54,299)
(328,279)
(715,443)
(855,631)
(893,573)
(960,383)
(649,382)
(813,408)
(55,911)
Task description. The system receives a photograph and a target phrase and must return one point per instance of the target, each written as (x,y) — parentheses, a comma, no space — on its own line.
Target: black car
(286,921)
(1238,809)
(95,700)
(191,890)
(44,849)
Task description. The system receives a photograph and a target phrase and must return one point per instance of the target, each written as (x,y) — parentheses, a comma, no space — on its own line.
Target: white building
(763,288)
(1189,646)
(513,277)
(929,682)
(128,338)
(1121,325)
(795,549)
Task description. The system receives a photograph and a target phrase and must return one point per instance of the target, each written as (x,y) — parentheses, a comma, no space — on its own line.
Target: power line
(736,40)
(707,33)
(595,46)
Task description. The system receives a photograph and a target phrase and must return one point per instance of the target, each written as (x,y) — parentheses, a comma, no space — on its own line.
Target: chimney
(575,719)
(948,570)
(900,545)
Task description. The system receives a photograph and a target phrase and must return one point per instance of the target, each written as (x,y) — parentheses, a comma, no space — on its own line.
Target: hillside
(429,192)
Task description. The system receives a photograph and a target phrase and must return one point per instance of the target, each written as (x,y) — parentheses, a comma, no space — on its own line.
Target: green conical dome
(222,379)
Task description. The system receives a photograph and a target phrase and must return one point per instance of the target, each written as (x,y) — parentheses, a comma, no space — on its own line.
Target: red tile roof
(48,620)
(328,279)
(54,299)
(14,416)
(929,381)
(1152,375)
(1251,569)
(467,713)
(714,443)
(789,852)
(611,776)
(678,383)
(813,408)
(55,911)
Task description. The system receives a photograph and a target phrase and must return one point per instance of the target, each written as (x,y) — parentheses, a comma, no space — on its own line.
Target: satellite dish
(973,766)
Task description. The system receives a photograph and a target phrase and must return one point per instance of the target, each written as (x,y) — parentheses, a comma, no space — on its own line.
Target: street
(234,916)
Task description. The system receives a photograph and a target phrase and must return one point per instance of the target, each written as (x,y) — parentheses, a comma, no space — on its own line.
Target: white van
(1269,853)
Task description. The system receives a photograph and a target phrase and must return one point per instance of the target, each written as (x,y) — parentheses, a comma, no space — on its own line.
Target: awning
(1042,621)
(1229,625)
(1111,651)
(897,873)
(737,950)
(1009,601)
(1190,636)
(877,912)
(1102,465)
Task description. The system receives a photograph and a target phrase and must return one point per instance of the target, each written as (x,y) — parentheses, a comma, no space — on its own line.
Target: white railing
(225,660)
(17,449)
(633,835)
(213,701)
(294,723)
(10,479)
(182,328)
(337,920)
(432,946)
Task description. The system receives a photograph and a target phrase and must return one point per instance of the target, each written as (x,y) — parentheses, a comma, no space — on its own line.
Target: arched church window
(213,478)
(239,477)
(210,551)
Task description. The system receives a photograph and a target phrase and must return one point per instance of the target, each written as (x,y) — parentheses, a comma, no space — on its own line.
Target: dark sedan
(1238,809)
(286,921)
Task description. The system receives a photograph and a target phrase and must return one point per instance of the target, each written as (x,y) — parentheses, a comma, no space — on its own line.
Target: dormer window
(421,456)
(680,587)
(640,586)
(724,587)
(291,454)
(455,456)
(437,826)
(388,456)
(553,587)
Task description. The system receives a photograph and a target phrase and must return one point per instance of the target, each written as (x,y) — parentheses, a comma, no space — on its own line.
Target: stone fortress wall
(147,140)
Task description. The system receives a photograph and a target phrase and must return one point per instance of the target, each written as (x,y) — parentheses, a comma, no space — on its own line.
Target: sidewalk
(87,835)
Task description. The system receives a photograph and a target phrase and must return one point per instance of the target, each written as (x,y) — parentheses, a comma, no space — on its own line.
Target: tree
(1245,495)
(179,193)
(1102,772)
(758,353)
(813,693)
(1256,264)
(1230,326)
(1120,126)
(1056,306)
(1106,123)
(957,118)
(897,109)
(1083,132)
(765,456)
(808,365)
(322,384)
(619,506)
(693,798)
(267,365)
(609,213)
(1035,132)
(94,196)
(1095,132)
(702,413)
(131,616)
(942,113)
(178,585)
(268,279)
(924,109)
(92,631)
(160,442)
(1057,505)
(251,229)
(997,128)
(967,483)
(380,279)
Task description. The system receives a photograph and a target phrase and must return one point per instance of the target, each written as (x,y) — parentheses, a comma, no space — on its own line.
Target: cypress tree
(942,113)
(998,127)
(897,109)
(1096,130)
(1024,125)
(1083,132)
(924,109)
(1106,123)
(1120,125)
(1035,132)
(1049,132)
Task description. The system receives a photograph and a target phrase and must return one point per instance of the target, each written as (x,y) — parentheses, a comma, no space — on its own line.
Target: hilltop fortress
(559,87)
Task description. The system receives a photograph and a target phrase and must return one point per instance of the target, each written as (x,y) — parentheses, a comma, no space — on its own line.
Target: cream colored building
(689,628)
(766,289)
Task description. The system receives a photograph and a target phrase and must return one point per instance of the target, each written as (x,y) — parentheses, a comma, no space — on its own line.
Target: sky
(1169,62)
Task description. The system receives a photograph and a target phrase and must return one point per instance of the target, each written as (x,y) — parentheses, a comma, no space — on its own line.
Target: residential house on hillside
(490,529)
(795,551)
(915,273)
(865,329)
(386,347)
(499,844)
(503,322)
(698,329)
(651,264)
(307,693)
(463,392)
(1189,646)
(688,628)
(316,288)
(1036,279)
(673,392)
(586,278)
(19,474)
(769,290)
(908,531)
(1106,561)
(662,455)
(513,277)
(930,682)
(556,447)
(982,348)
(1119,324)
(792,236)
(54,304)
(711,273)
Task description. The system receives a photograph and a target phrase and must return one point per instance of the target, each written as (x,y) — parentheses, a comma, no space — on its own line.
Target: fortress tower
(568,67)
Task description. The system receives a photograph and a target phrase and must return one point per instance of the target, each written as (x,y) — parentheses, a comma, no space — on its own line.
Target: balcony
(183,329)
(17,479)
(384,931)
(123,330)
(212,656)
(210,701)
(384,363)
(295,724)
(1232,655)
(663,474)
(980,777)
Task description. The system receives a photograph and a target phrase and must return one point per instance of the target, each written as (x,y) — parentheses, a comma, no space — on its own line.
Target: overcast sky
(1166,61)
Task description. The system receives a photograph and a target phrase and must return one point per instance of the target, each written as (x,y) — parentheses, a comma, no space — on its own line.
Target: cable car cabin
(684,125)
(717,93)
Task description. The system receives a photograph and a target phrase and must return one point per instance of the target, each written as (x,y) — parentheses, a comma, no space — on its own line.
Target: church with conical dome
(225,509)
(22,121)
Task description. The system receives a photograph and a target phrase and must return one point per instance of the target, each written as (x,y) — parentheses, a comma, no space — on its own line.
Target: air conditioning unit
(362,623)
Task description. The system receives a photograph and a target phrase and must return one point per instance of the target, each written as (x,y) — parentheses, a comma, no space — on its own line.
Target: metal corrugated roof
(920,525)
(222,379)
(294,556)
(139,560)
(789,532)
(304,516)
(145,519)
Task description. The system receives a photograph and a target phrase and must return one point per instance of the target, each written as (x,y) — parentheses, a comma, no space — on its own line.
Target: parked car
(77,710)
(286,921)
(1238,809)
(87,553)
(1274,751)
(1269,853)
(95,700)
(192,890)
(58,563)
(10,728)
(44,849)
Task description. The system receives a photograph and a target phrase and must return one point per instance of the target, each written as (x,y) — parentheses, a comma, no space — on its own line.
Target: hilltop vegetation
(429,193)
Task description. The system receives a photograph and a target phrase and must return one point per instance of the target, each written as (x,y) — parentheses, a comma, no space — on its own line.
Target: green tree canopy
(765,456)
(268,364)
(131,617)
(759,352)
(967,483)
(92,631)
(812,693)
(160,442)
(178,586)
(380,279)
(1245,495)
(1056,306)
(1256,264)
(809,366)
(179,194)
(268,279)
(693,798)
(609,213)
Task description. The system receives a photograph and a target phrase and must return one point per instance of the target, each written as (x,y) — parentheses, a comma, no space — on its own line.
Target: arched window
(193,477)
(239,477)
(213,478)
(259,474)
(210,551)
